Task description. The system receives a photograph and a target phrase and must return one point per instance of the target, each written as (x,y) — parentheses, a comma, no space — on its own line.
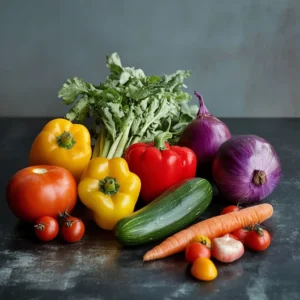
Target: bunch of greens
(129,107)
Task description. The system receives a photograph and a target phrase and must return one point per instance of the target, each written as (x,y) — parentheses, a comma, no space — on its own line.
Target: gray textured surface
(244,55)
(99,268)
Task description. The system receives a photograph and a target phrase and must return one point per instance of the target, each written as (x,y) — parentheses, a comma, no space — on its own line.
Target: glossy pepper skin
(62,143)
(109,190)
(159,165)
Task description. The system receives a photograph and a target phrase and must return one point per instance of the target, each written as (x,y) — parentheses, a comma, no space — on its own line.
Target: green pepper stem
(66,140)
(109,186)
(160,139)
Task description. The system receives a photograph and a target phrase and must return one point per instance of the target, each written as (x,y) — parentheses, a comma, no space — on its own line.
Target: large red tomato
(43,190)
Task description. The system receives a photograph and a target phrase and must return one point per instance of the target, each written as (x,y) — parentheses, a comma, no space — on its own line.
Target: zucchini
(172,211)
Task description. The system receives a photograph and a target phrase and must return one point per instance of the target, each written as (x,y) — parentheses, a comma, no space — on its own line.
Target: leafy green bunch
(129,107)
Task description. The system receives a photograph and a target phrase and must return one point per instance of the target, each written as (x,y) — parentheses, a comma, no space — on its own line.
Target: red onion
(204,135)
(246,169)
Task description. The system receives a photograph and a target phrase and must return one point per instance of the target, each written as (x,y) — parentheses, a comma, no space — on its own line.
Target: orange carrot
(212,228)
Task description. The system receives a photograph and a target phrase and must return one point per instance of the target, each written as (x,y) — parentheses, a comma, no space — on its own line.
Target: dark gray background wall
(244,55)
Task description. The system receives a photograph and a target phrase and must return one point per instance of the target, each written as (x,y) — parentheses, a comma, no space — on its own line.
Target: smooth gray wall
(244,54)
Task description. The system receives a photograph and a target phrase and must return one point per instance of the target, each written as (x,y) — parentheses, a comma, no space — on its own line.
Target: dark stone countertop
(99,268)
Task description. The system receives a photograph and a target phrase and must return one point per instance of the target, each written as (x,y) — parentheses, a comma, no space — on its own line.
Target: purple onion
(204,135)
(246,169)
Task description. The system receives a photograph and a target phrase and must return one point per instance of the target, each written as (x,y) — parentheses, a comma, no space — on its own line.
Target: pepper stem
(259,177)
(160,139)
(65,140)
(109,186)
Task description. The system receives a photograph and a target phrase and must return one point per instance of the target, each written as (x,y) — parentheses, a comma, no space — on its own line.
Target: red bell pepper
(159,165)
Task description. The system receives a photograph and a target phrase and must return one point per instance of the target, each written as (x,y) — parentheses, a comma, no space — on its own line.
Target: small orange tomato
(204,269)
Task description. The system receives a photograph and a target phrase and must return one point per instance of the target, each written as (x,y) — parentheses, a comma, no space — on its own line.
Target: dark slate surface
(99,268)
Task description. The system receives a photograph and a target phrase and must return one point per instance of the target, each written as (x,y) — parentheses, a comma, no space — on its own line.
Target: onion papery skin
(246,169)
(204,135)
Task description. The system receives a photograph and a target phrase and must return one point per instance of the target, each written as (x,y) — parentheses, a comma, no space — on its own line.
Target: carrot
(212,228)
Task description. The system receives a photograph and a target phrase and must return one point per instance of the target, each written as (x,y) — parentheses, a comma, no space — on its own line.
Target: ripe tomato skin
(240,234)
(258,241)
(72,230)
(37,191)
(46,228)
(196,250)
(229,209)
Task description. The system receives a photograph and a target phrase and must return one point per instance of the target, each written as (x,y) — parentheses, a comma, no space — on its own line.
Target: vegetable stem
(114,146)
(128,143)
(109,186)
(96,150)
(65,140)
(159,140)
(106,147)
(202,108)
(102,139)
(127,125)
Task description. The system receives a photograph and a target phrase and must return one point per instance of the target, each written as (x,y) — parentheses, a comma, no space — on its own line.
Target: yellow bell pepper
(109,190)
(62,143)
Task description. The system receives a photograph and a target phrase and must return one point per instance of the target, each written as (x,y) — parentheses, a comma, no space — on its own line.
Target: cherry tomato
(196,250)
(38,191)
(72,230)
(258,239)
(46,228)
(240,234)
(229,209)
(204,269)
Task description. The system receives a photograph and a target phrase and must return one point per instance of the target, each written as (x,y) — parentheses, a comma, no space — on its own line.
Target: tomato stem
(65,214)
(259,230)
(248,228)
(69,223)
(40,226)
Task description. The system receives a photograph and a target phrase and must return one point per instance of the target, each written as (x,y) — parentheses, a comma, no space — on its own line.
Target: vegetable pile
(129,106)
(146,143)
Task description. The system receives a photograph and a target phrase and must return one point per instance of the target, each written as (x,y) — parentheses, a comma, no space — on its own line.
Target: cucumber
(172,211)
